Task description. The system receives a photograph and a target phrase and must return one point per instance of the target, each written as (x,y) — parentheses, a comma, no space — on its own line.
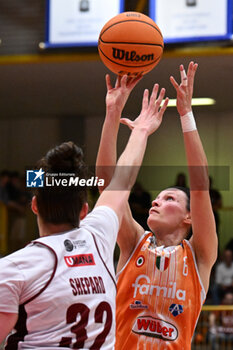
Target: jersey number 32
(79,329)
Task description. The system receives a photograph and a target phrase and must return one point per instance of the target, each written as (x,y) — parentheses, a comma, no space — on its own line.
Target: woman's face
(168,210)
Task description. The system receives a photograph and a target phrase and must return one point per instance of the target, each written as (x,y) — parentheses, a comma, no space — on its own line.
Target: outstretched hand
(152,112)
(185,88)
(117,96)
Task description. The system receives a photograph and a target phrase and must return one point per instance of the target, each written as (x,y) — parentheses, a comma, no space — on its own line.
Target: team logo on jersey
(146,288)
(79,260)
(138,305)
(35,178)
(155,328)
(140,261)
(176,309)
(162,262)
(68,245)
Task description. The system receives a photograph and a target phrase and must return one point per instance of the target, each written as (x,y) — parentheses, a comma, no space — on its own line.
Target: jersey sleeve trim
(97,248)
(144,236)
(51,277)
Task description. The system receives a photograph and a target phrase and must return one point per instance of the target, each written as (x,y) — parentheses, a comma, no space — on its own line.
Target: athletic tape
(188,122)
(184,78)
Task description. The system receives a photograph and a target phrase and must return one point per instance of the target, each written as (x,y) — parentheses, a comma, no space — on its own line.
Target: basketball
(130,43)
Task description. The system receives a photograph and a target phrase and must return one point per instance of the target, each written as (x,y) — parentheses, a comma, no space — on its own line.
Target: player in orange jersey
(162,276)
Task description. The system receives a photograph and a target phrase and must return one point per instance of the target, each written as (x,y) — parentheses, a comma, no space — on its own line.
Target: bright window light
(203,101)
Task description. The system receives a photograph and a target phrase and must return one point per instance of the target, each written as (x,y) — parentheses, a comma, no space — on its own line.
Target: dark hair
(59,204)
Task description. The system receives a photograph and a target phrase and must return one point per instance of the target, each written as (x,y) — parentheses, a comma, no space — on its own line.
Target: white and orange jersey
(159,297)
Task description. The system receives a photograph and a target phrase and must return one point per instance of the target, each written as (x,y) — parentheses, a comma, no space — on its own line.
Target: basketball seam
(132,21)
(124,65)
(129,43)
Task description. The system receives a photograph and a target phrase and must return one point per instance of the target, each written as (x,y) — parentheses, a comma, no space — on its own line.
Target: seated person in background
(223,276)
(221,324)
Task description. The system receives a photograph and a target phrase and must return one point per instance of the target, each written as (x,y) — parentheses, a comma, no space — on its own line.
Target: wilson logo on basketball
(132,56)
(155,328)
(79,260)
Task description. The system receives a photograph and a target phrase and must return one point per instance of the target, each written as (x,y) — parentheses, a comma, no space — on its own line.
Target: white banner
(180,19)
(78,22)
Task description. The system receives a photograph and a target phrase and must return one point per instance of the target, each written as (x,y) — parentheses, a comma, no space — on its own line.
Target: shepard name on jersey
(87,285)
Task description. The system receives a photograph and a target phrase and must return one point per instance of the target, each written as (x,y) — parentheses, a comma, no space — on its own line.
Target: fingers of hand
(164,106)
(174,82)
(145,99)
(160,98)
(124,120)
(191,72)
(127,122)
(108,82)
(118,81)
(154,94)
(134,81)
(124,80)
(184,79)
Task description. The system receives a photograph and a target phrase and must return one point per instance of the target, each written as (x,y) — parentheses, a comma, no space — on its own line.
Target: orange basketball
(130,43)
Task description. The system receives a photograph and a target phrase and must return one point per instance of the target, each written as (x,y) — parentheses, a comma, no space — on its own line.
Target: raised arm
(116,98)
(204,239)
(150,118)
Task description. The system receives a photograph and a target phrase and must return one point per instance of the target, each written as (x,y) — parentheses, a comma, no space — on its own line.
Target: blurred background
(54,92)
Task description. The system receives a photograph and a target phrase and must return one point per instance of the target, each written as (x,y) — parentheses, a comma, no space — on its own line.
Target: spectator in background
(229,245)
(140,203)
(18,201)
(181,180)
(4,179)
(216,201)
(221,324)
(223,276)
(11,193)
(16,191)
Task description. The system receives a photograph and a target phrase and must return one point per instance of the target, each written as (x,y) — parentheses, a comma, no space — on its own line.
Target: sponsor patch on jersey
(176,309)
(71,245)
(80,243)
(68,245)
(143,286)
(155,328)
(140,261)
(138,305)
(79,260)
